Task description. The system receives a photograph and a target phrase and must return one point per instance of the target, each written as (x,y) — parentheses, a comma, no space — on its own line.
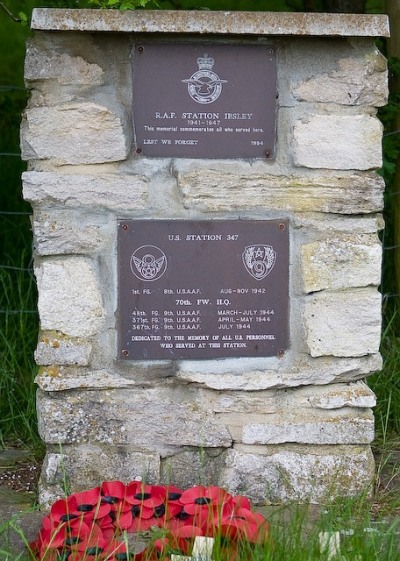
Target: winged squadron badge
(259,260)
(148,263)
(204,86)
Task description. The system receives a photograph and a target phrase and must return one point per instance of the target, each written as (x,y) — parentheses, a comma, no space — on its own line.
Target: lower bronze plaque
(202,289)
(204,100)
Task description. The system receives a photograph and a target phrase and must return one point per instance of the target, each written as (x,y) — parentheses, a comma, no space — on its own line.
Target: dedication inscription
(204,101)
(202,289)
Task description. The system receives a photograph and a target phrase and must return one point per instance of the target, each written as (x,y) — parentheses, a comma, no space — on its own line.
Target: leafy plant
(122,4)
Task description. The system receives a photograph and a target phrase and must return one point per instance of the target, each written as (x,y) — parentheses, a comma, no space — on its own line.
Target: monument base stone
(288,424)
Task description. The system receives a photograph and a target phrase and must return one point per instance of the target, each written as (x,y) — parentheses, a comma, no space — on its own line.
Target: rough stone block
(227,188)
(69,297)
(151,420)
(333,429)
(309,474)
(248,375)
(57,348)
(355,81)
(98,191)
(54,378)
(338,142)
(63,232)
(84,467)
(336,396)
(343,323)
(341,262)
(194,467)
(74,133)
(66,69)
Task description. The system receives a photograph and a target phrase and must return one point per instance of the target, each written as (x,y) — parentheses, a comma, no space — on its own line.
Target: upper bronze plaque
(204,100)
(202,289)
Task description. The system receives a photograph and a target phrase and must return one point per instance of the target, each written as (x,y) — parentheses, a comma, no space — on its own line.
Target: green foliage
(121,4)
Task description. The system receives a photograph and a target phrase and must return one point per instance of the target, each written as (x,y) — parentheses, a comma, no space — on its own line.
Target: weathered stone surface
(194,467)
(56,348)
(54,378)
(338,142)
(66,69)
(334,397)
(343,323)
(312,474)
(322,224)
(334,429)
(69,297)
(356,81)
(203,22)
(165,419)
(341,262)
(74,133)
(255,375)
(62,232)
(222,188)
(84,467)
(98,191)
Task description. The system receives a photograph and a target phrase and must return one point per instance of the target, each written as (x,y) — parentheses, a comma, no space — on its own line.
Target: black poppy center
(93,550)
(202,501)
(135,511)
(85,508)
(108,499)
(174,496)
(72,540)
(182,515)
(159,511)
(121,556)
(68,517)
(142,496)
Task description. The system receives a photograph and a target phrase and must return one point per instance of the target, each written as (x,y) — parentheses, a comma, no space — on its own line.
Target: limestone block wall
(296,427)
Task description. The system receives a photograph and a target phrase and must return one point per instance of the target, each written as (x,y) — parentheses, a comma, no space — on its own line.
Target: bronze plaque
(204,100)
(202,289)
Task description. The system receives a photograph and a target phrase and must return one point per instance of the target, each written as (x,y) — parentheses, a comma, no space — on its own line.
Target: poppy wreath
(91,525)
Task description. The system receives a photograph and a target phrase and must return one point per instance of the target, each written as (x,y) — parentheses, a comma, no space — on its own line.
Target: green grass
(18,337)
(295,536)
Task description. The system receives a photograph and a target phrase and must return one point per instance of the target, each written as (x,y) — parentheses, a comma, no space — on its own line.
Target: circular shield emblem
(148,263)
(204,86)
(259,260)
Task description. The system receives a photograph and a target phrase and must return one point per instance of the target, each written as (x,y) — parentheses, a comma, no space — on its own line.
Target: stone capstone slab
(43,64)
(70,300)
(55,378)
(74,133)
(340,262)
(334,321)
(236,23)
(309,474)
(56,348)
(338,142)
(113,417)
(98,191)
(86,466)
(222,188)
(355,81)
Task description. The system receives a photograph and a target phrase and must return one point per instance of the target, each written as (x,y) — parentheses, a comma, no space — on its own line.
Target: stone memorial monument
(206,211)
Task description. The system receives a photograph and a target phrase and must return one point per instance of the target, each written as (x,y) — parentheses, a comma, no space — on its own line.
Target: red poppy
(150,496)
(90,504)
(245,524)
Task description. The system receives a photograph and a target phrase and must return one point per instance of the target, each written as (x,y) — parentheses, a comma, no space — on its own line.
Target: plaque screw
(139,150)
(140,49)
(282,226)
(281,353)
(124,226)
(125,352)
(267,153)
